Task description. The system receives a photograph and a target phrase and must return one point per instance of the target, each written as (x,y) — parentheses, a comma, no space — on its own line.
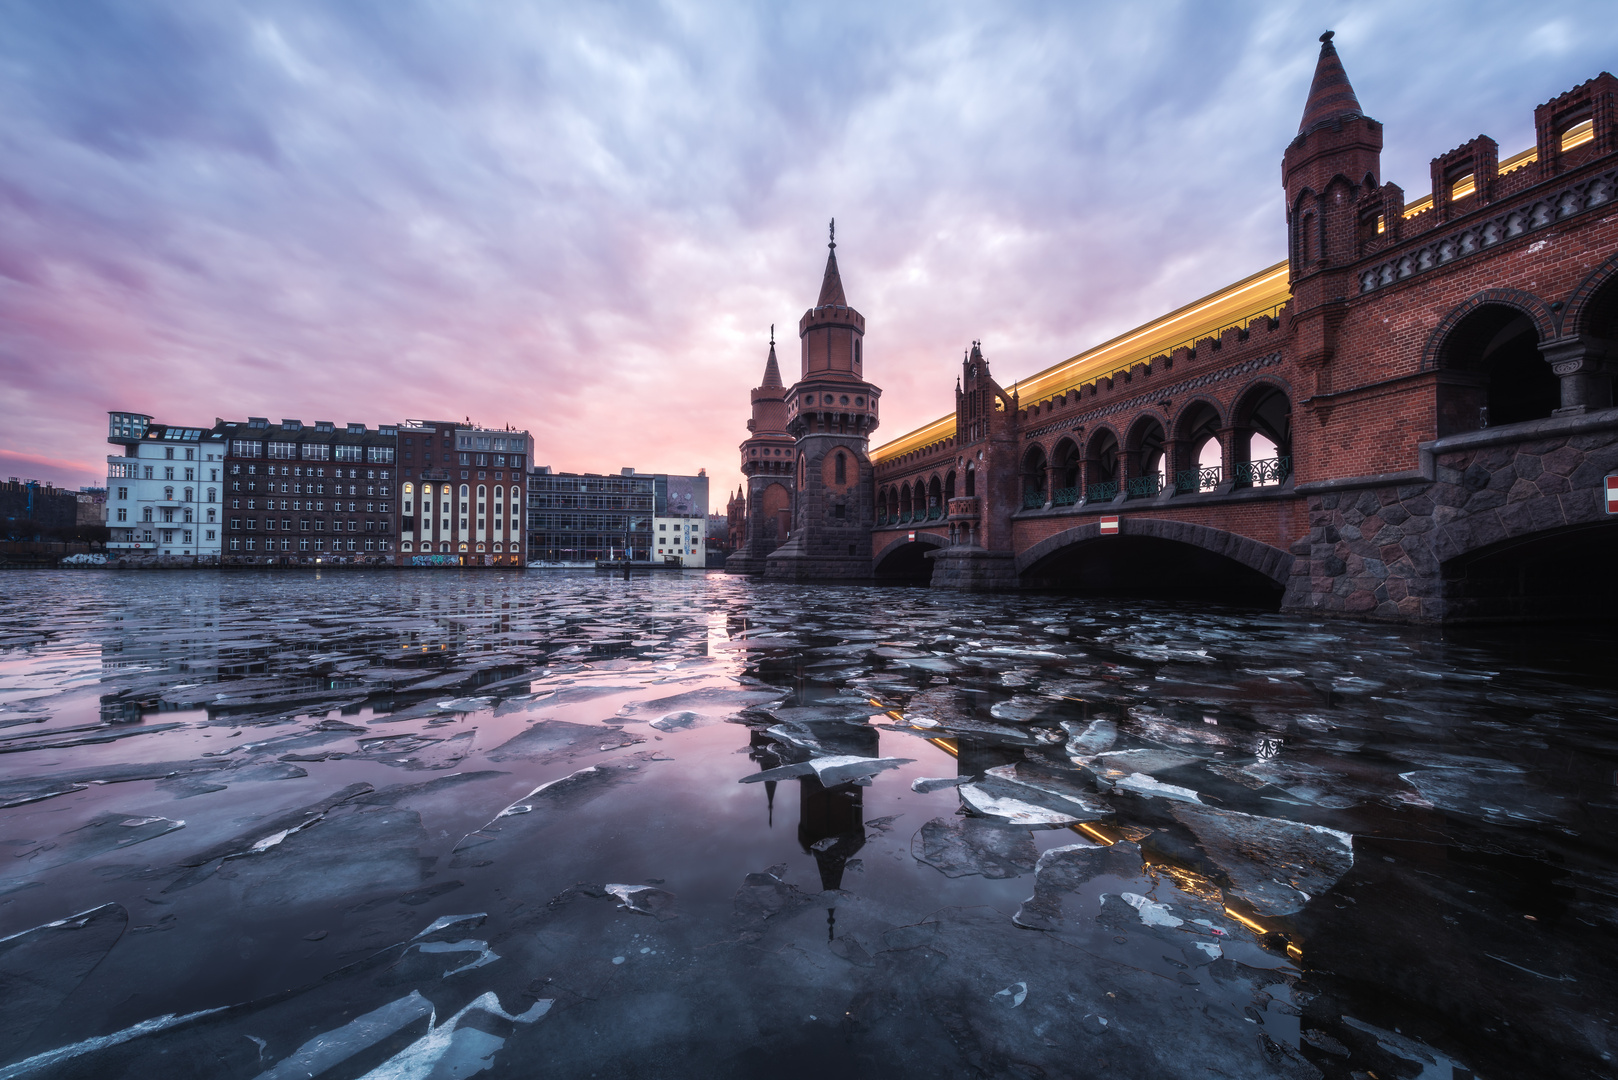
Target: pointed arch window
(841,468)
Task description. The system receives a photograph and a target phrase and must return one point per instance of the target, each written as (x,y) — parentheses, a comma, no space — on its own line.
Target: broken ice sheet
(926,784)
(962,846)
(1060,871)
(831,771)
(1276,865)
(643,899)
(1005,802)
(566,793)
(1151,912)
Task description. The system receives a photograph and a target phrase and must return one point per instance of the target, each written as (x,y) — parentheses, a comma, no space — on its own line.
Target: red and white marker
(912,535)
(1612,493)
(1109,525)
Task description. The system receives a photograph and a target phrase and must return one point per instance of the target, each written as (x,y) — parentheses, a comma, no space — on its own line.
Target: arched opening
(1200,457)
(893,504)
(949,489)
(1493,372)
(935,500)
(1146,446)
(1263,438)
(1567,573)
(1152,567)
(906,562)
(1069,465)
(1101,467)
(1033,478)
(777,509)
(1593,385)
(840,467)
(907,504)
(971,480)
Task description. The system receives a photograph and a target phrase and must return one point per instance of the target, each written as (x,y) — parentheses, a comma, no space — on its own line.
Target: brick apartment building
(318,493)
(462,494)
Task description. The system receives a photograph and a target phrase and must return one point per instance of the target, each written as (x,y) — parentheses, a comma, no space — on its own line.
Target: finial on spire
(772,334)
(1327,36)
(833,243)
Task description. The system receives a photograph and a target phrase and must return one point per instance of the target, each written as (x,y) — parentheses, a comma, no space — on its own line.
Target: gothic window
(841,468)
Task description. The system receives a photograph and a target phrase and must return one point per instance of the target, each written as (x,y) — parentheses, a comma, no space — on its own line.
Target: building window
(188,517)
(187,535)
(188,497)
(235,544)
(251,543)
(208,535)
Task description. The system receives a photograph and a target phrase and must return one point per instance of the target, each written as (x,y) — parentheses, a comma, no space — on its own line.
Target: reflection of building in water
(831,826)
(154,655)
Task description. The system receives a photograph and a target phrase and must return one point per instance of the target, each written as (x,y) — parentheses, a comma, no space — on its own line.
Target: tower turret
(768,463)
(1331,172)
(831,412)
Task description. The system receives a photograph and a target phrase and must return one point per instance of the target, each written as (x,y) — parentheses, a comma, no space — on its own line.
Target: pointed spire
(1331,96)
(831,287)
(772,370)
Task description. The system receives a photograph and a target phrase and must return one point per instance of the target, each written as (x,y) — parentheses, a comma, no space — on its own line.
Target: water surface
(352,824)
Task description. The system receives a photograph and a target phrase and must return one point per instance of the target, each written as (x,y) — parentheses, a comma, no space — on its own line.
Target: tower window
(841,472)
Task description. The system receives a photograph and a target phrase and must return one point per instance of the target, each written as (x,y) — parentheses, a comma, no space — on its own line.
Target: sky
(582,219)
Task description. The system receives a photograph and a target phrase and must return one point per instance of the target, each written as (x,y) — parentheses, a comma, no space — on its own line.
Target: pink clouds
(582,220)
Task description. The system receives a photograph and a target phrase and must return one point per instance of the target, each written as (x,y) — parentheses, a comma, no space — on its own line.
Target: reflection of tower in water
(831,823)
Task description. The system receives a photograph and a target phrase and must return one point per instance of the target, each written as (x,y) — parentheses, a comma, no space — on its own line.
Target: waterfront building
(165,490)
(680,518)
(462,492)
(762,510)
(301,493)
(582,517)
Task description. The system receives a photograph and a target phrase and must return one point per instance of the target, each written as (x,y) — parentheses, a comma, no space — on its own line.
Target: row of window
(303,525)
(427,524)
(444,546)
(167,512)
(315,504)
(167,535)
(306,544)
(310,488)
(311,471)
(291,451)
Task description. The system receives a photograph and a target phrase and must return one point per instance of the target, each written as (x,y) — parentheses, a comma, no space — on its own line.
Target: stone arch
(1197,445)
(1271,562)
(1263,408)
(1494,372)
(776,508)
(935,498)
(1102,462)
(1068,461)
(906,559)
(1035,462)
(1545,321)
(1576,317)
(1147,445)
(949,487)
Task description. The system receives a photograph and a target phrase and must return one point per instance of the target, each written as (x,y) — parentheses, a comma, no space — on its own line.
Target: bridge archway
(1261,435)
(1493,373)
(1101,459)
(1559,573)
(905,560)
(1068,465)
(1196,446)
(1034,467)
(1147,445)
(1159,557)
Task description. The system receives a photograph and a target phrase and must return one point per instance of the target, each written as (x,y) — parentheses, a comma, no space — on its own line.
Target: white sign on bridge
(1612,493)
(1109,526)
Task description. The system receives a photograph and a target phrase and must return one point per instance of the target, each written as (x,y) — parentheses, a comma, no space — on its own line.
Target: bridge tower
(1332,174)
(988,490)
(768,463)
(830,414)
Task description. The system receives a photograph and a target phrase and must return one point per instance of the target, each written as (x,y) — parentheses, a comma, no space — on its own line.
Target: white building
(163,491)
(684,537)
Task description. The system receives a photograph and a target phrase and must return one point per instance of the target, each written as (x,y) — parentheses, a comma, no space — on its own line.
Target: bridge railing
(1201,479)
(1101,491)
(1261,473)
(1065,496)
(1144,487)
(934,512)
(1033,499)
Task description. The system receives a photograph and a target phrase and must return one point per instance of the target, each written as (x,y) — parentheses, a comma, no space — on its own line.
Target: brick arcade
(1410,418)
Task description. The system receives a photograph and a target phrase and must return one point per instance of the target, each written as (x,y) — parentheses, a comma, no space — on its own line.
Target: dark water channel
(440,824)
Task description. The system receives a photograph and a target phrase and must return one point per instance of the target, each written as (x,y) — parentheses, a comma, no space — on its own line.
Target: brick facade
(1334,443)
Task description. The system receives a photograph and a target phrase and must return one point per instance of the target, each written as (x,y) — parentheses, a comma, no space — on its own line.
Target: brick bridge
(1409,418)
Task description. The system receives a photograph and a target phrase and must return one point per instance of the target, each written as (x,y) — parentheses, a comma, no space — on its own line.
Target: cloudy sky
(583,218)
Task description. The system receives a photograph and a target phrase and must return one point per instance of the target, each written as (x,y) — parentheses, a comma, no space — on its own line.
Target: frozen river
(411,825)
